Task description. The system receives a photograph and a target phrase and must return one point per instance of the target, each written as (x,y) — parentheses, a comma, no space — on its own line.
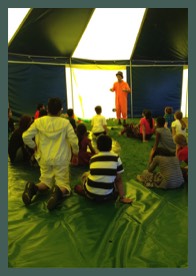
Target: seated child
(17,150)
(178,125)
(182,153)
(98,122)
(168,176)
(11,126)
(70,117)
(84,145)
(164,144)
(169,116)
(43,112)
(144,130)
(40,107)
(103,182)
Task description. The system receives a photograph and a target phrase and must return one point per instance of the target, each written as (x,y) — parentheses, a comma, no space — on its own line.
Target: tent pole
(131,90)
(71,84)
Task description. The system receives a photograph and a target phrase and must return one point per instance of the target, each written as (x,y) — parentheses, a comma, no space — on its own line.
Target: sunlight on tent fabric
(110,34)
(184,99)
(15,18)
(91,88)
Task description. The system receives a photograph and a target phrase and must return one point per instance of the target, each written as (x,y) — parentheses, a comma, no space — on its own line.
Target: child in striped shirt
(168,175)
(103,182)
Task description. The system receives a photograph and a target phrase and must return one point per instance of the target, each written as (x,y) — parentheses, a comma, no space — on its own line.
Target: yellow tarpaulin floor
(152,232)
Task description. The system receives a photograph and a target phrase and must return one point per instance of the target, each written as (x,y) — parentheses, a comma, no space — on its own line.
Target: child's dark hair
(54,106)
(70,112)
(98,109)
(24,123)
(160,121)
(104,142)
(81,130)
(148,116)
(168,110)
(39,106)
(42,113)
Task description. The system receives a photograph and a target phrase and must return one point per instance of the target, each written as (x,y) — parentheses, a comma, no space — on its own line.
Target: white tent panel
(184,99)
(90,88)
(15,18)
(110,34)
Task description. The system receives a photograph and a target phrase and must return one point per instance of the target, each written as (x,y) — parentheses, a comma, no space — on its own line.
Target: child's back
(98,122)
(178,126)
(169,116)
(85,145)
(170,170)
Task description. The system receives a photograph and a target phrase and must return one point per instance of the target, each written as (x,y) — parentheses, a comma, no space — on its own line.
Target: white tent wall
(184,99)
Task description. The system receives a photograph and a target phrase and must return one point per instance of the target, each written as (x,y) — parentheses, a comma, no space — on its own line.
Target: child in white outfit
(54,141)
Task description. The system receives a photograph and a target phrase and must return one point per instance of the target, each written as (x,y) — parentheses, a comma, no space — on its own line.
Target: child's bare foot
(79,190)
(126,200)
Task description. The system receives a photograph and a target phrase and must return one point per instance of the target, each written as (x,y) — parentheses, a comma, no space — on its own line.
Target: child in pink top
(144,130)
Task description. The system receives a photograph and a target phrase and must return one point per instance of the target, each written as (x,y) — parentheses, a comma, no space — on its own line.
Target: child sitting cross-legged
(103,182)
(164,143)
(182,153)
(163,172)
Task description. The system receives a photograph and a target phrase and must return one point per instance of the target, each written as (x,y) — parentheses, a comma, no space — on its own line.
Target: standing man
(121,89)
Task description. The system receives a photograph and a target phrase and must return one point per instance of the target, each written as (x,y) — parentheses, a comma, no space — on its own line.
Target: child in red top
(144,130)
(182,153)
(181,147)
(84,144)
(40,107)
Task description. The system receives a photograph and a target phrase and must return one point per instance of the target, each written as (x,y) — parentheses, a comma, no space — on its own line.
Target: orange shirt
(121,96)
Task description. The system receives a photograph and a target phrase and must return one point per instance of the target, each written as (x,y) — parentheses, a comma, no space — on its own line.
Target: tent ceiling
(51,32)
(56,33)
(164,36)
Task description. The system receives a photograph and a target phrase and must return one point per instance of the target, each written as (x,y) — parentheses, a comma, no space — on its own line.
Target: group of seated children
(164,155)
(170,145)
(17,150)
(103,180)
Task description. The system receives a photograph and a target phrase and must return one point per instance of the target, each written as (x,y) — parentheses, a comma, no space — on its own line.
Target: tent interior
(74,54)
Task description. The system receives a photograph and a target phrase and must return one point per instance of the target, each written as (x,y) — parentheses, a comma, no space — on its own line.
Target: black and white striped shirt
(104,167)
(169,168)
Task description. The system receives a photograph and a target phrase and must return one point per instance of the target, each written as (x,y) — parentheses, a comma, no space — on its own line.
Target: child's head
(81,130)
(104,143)
(9,112)
(160,121)
(180,140)
(178,115)
(54,106)
(42,113)
(98,109)
(168,110)
(144,112)
(70,112)
(25,122)
(148,114)
(40,106)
